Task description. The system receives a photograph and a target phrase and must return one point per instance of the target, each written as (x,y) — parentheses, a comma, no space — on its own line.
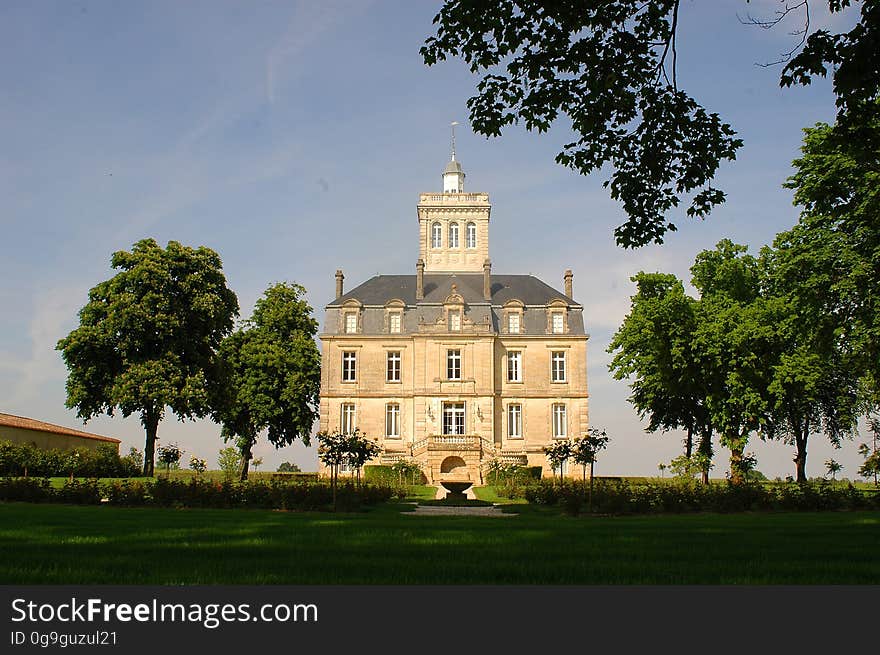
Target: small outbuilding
(48,436)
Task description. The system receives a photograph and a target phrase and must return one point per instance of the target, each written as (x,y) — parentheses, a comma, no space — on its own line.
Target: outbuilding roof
(12,421)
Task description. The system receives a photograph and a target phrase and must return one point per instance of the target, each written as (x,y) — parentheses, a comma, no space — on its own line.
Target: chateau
(454,367)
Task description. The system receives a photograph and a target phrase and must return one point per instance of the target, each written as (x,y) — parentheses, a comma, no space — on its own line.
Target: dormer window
(454,320)
(394,322)
(513,323)
(471,235)
(558,323)
(351,322)
(436,236)
(453,235)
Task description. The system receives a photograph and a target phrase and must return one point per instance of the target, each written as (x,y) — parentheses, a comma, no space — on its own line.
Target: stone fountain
(455,488)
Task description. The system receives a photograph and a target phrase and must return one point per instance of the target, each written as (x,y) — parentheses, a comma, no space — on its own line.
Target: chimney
(339,278)
(420,279)
(568,277)
(487,280)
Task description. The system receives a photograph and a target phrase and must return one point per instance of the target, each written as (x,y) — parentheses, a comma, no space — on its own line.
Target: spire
(453,176)
(452,125)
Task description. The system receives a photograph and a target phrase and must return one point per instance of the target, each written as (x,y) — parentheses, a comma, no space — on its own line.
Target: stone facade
(454,367)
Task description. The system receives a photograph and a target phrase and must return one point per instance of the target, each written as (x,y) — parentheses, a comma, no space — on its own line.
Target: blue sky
(260,128)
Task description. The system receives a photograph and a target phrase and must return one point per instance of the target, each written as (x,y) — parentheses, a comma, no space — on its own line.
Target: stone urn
(455,488)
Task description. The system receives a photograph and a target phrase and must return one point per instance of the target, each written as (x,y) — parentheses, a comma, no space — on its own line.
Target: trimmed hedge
(197,492)
(627,497)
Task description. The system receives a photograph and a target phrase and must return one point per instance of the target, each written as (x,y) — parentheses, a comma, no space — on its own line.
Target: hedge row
(28,460)
(626,497)
(196,493)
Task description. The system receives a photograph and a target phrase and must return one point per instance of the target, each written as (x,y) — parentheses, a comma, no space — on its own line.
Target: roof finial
(453,124)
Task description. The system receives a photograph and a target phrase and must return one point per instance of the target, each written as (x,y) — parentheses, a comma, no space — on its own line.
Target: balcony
(453,442)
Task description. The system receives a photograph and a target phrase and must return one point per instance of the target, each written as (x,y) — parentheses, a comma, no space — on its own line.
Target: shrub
(29,490)
(79,492)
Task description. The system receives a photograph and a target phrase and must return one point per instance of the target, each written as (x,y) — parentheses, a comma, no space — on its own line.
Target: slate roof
(11,421)
(437,286)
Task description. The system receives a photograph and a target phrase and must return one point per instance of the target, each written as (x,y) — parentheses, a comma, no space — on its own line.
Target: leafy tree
(169,456)
(654,347)
(148,336)
(661,467)
(359,450)
(229,462)
(836,244)
(269,374)
(584,451)
(333,453)
(871,466)
(734,343)
(558,453)
(407,471)
(198,465)
(833,468)
(288,467)
(610,68)
(134,461)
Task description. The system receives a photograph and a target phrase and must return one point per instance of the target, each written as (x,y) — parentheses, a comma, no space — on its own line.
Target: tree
(610,68)
(836,244)
(257,462)
(229,461)
(169,456)
(269,374)
(288,467)
(558,453)
(148,336)
(871,466)
(833,468)
(654,347)
(332,451)
(199,466)
(359,450)
(585,450)
(661,467)
(734,344)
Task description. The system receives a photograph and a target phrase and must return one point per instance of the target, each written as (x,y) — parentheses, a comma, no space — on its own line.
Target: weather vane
(453,124)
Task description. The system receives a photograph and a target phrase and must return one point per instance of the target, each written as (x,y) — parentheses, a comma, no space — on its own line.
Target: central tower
(453,226)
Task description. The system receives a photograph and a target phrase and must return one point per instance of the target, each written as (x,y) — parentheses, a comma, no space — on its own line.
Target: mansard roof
(437,286)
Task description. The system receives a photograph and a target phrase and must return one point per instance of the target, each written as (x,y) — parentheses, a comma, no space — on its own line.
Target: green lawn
(58,544)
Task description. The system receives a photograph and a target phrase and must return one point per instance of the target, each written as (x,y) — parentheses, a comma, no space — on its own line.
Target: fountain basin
(455,489)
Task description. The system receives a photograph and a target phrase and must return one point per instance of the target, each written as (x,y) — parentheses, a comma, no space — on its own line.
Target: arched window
(436,235)
(453,235)
(471,235)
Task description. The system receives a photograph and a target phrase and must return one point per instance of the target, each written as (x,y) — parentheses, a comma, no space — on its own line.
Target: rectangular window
(393,368)
(394,323)
(557,323)
(513,323)
(453,365)
(349,366)
(454,320)
(514,367)
(560,423)
(392,420)
(351,322)
(347,418)
(514,421)
(557,366)
(453,418)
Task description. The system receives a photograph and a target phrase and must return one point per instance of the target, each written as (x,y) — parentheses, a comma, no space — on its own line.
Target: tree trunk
(689,442)
(705,448)
(246,455)
(591,487)
(800,459)
(736,472)
(150,421)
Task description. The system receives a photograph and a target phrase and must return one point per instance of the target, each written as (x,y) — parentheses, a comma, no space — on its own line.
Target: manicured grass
(59,544)
(490,494)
